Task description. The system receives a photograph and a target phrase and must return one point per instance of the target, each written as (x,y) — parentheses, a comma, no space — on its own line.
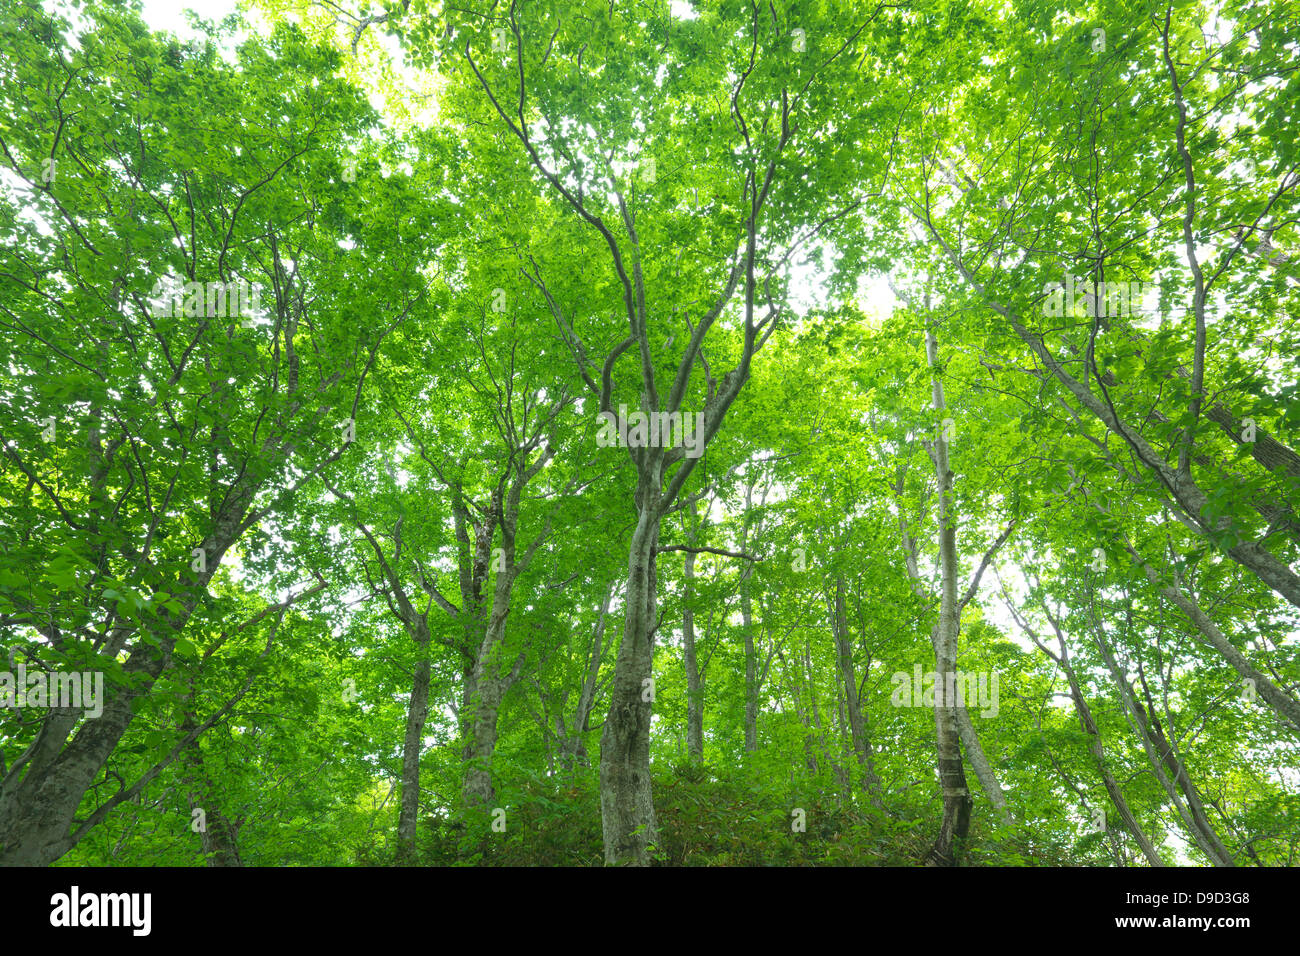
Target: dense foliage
(578,432)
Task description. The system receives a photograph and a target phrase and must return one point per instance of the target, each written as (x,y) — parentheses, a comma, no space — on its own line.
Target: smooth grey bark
(949,568)
(1265,449)
(38,808)
(415,623)
(482,623)
(975,756)
(42,792)
(1178,771)
(1116,850)
(627,811)
(491,679)
(473,566)
(970,742)
(478,792)
(1282,703)
(524,422)
(1184,491)
(37,835)
(486,691)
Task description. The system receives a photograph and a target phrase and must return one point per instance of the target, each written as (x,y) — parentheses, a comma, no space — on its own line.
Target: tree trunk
(42,792)
(37,810)
(852,706)
(573,747)
(1184,491)
(489,686)
(1160,759)
(947,847)
(417,712)
(218,835)
(974,751)
(747,626)
(626,805)
(478,792)
(1098,751)
(809,750)
(694,686)
(814,708)
(1178,771)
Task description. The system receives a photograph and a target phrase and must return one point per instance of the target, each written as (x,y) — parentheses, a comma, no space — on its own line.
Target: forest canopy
(666,432)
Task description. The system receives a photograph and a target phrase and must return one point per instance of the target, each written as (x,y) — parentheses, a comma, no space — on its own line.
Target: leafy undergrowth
(706,820)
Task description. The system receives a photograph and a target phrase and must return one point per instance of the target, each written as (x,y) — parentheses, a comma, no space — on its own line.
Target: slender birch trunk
(947,847)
